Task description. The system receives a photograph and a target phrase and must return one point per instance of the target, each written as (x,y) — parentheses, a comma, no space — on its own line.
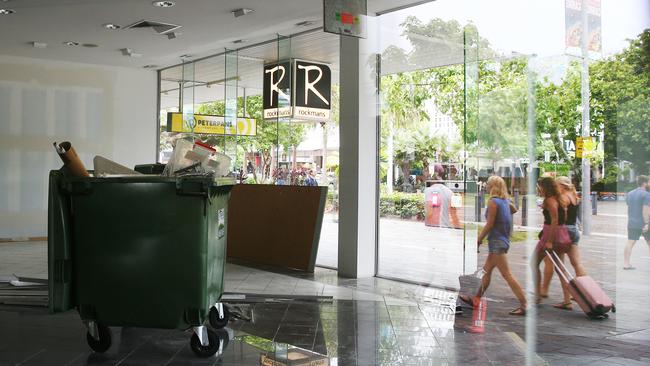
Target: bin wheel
(104,342)
(205,351)
(215,321)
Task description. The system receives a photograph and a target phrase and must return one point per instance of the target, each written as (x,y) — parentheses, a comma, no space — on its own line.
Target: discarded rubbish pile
(187,159)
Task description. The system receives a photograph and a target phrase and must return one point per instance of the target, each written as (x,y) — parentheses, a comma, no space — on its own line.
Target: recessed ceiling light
(185,56)
(305,23)
(241,12)
(129,52)
(163,4)
(237,41)
(90,45)
(150,66)
(6,11)
(71,43)
(36,44)
(111,26)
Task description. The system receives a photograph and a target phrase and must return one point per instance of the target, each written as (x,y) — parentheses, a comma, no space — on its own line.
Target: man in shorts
(638,216)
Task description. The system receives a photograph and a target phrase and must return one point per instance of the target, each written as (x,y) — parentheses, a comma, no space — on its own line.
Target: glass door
(428,179)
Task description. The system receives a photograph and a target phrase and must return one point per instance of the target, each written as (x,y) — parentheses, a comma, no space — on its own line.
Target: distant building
(441,124)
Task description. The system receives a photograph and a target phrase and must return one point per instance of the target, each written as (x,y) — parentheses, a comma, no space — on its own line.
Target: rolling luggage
(587,293)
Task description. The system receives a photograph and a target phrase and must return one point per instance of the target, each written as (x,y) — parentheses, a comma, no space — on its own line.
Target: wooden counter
(277,226)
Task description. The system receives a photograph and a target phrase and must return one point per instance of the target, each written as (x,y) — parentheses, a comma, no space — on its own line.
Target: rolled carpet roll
(71,160)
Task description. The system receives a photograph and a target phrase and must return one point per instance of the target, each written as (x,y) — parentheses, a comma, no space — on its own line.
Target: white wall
(108,111)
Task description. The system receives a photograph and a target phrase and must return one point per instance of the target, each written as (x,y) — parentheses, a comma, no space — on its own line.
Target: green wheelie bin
(139,251)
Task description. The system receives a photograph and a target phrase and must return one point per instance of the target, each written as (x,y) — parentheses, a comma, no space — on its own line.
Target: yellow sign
(585,147)
(213,125)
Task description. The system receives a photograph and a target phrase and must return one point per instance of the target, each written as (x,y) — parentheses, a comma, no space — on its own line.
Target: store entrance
(428,182)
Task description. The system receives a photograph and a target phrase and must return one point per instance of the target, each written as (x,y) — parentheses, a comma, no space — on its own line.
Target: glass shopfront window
(474,93)
(284,151)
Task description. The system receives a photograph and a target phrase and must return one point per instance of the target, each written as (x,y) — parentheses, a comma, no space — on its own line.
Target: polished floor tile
(365,322)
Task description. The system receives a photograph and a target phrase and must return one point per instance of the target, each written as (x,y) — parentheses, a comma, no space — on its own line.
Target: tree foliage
(271,134)
(491,110)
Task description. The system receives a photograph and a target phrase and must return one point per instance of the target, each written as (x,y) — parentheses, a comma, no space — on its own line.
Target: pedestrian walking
(638,216)
(553,217)
(570,205)
(498,228)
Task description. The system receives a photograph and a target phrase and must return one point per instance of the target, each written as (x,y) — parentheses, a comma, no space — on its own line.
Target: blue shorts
(496,246)
(574,234)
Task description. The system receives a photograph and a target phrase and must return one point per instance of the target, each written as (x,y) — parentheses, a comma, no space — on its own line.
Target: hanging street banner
(211,125)
(573,26)
(345,17)
(297,89)
(276,92)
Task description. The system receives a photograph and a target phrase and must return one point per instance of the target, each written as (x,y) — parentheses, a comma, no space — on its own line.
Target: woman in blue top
(498,229)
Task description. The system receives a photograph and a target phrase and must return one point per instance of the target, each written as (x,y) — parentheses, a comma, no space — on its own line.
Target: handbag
(562,238)
(562,241)
(470,283)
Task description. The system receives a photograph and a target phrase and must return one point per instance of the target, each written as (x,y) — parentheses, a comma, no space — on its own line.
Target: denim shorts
(496,246)
(574,234)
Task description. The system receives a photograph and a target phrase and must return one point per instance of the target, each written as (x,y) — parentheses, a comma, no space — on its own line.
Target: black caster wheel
(205,351)
(215,321)
(104,342)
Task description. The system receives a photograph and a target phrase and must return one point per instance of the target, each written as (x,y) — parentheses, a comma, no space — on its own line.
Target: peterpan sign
(297,89)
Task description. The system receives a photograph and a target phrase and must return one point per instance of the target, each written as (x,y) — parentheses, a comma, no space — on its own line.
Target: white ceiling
(208,27)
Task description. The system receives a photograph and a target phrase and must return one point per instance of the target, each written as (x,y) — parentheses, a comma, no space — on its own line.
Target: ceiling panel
(208,27)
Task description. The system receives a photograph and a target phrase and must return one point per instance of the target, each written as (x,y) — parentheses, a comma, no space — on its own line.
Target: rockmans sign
(277,90)
(298,89)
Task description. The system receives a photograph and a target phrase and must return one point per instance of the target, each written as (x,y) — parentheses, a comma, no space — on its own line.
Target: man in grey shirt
(444,195)
(638,215)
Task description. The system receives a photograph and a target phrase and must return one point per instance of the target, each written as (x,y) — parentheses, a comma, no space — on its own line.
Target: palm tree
(404,95)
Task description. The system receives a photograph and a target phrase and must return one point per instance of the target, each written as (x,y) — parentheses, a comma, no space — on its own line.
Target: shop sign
(313,90)
(211,125)
(299,359)
(277,90)
(297,89)
(585,147)
(346,17)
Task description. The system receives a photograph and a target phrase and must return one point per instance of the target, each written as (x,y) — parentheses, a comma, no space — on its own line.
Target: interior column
(359,107)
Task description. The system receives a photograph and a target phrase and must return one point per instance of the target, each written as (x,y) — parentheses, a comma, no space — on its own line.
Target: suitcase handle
(559,265)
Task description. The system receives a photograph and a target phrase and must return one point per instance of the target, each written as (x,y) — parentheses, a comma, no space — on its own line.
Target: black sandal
(518,311)
(564,306)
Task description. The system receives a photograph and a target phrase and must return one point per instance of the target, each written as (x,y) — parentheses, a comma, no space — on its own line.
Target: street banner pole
(586,168)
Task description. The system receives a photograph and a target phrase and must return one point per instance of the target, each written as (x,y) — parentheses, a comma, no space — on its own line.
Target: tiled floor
(367,322)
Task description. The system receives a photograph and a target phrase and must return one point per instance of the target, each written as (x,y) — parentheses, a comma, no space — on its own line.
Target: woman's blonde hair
(497,187)
(566,184)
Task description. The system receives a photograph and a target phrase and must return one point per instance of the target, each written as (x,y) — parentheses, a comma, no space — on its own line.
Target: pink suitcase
(587,293)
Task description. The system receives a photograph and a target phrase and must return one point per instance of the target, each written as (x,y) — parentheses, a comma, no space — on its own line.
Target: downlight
(71,43)
(163,4)
(241,12)
(111,26)
(7,11)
